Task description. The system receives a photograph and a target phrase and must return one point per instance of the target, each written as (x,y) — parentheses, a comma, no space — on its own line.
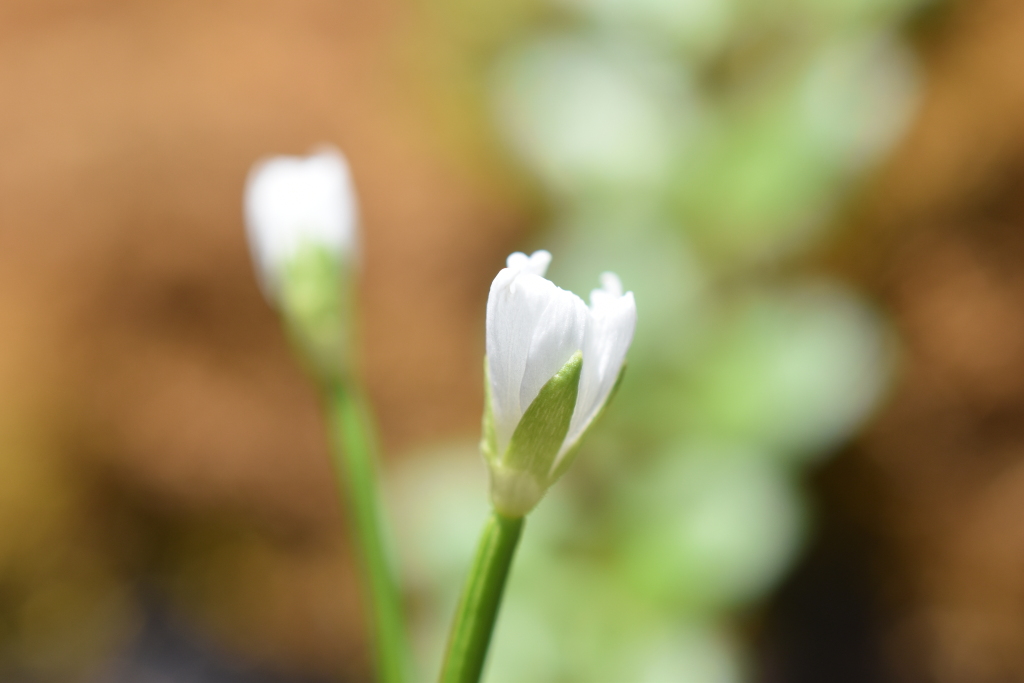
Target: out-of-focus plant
(701,148)
(301,216)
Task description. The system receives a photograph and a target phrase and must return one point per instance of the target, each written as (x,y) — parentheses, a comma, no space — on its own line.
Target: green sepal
(316,307)
(489,441)
(570,455)
(541,431)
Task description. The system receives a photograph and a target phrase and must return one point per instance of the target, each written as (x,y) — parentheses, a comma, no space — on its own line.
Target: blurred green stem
(355,465)
(481,598)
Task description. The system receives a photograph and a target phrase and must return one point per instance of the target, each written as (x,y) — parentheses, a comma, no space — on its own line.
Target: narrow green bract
(489,442)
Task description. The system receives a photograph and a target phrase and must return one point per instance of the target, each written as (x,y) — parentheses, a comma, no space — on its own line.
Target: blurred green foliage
(699,148)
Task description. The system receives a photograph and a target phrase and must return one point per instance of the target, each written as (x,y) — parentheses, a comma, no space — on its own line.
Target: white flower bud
(301,220)
(552,364)
(292,202)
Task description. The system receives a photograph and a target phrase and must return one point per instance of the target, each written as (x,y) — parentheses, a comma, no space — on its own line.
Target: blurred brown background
(154,424)
(941,242)
(159,446)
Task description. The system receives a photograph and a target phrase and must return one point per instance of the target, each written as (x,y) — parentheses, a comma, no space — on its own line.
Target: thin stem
(481,598)
(356,469)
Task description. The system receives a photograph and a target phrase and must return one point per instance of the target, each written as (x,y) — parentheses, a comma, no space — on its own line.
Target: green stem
(356,468)
(481,598)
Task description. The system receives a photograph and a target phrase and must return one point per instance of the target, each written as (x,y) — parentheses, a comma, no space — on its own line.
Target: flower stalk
(481,598)
(355,465)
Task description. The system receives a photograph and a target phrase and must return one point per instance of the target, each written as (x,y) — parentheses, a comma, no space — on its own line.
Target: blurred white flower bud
(291,202)
(301,215)
(552,364)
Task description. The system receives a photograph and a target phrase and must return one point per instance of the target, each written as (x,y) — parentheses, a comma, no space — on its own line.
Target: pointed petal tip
(611,283)
(609,293)
(517,260)
(539,262)
(536,263)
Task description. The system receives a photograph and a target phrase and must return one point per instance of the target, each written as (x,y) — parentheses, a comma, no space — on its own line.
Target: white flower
(536,331)
(291,202)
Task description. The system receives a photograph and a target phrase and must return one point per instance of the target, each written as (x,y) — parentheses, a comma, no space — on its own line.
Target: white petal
(612,321)
(558,334)
(536,263)
(611,288)
(533,329)
(290,201)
